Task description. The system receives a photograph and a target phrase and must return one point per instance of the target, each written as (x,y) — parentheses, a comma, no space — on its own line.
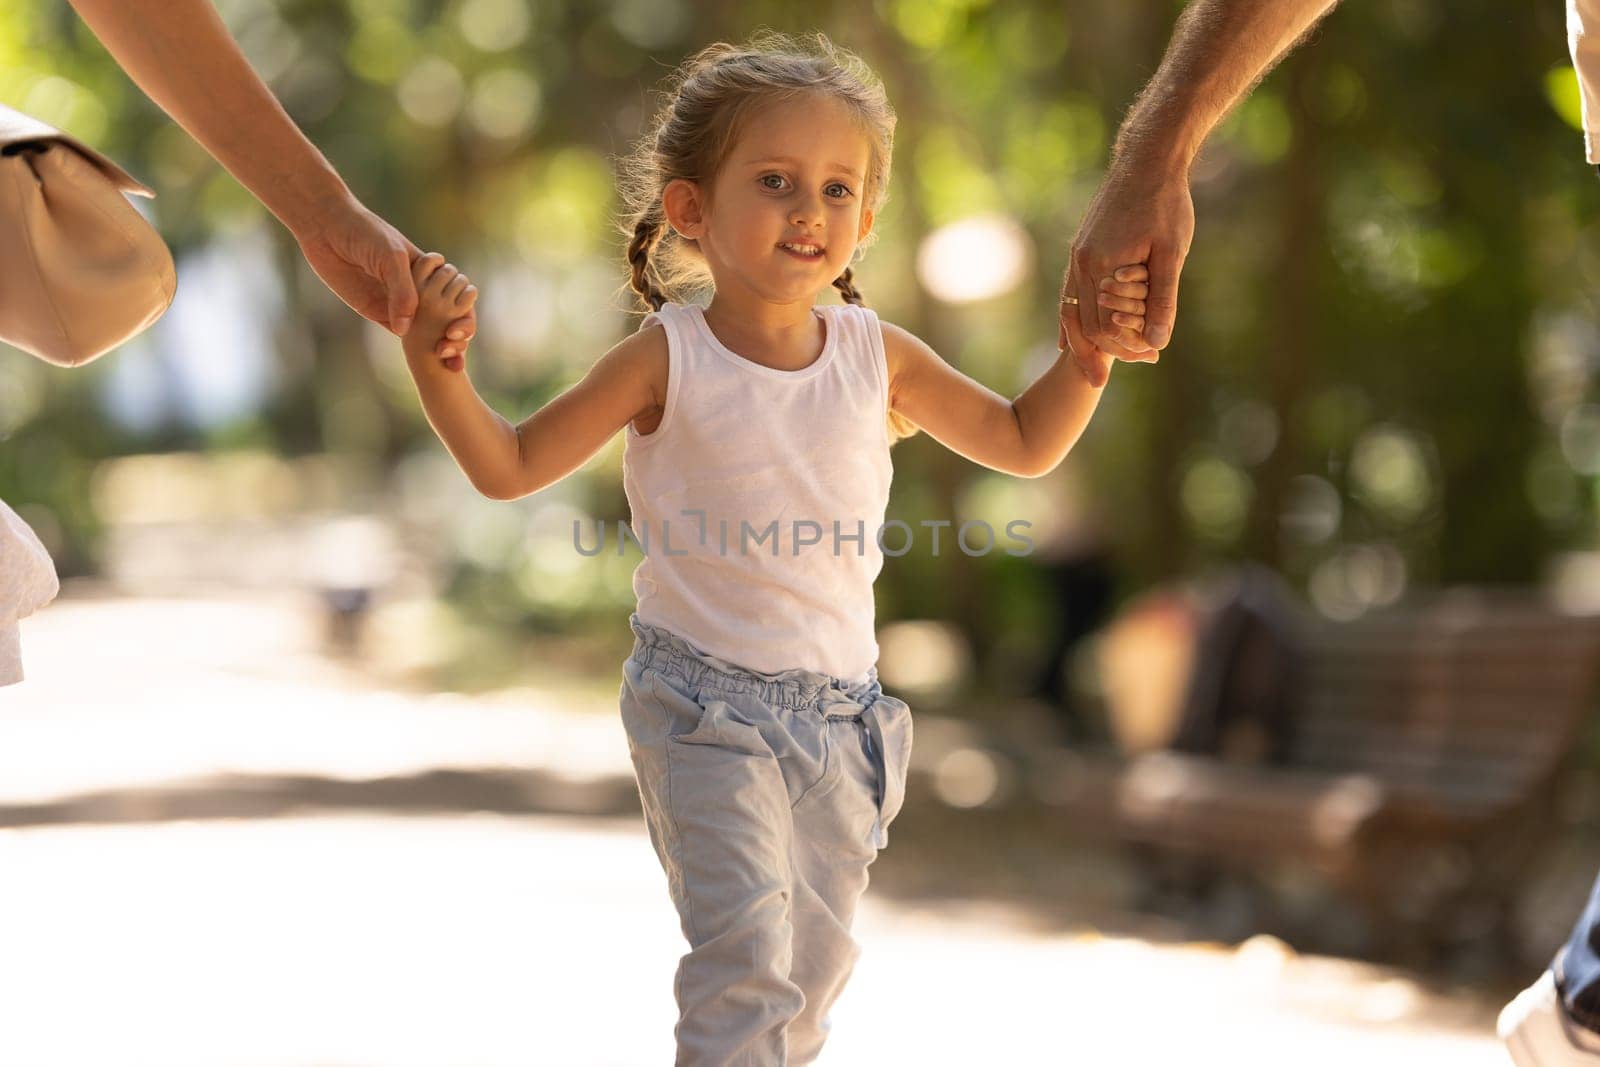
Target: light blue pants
(1577,966)
(767,796)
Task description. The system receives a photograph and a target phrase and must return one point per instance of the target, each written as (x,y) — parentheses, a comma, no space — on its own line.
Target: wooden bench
(1419,774)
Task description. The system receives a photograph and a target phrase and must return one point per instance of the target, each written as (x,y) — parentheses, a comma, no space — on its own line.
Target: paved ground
(219,848)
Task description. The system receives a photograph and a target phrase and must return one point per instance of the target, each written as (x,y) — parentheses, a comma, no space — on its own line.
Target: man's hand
(1142,212)
(1137,217)
(367,264)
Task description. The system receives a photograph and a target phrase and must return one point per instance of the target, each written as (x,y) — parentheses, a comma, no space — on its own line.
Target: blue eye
(773,181)
(838,190)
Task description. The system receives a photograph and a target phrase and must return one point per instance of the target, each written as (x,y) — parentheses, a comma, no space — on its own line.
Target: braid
(647,233)
(847,289)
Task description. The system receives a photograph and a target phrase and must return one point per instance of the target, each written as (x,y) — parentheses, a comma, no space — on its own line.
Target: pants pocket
(797,744)
(721,725)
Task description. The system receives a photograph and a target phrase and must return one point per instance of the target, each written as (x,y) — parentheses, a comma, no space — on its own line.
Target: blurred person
(1075,564)
(1142,212)
(770,762)
(1555,1022)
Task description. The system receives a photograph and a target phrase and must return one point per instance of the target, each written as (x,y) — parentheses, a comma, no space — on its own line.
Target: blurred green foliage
(1386,345)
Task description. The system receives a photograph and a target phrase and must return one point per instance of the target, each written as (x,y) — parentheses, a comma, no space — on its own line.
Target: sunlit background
(1382,385)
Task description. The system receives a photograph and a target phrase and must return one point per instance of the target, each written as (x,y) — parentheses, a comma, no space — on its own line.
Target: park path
(140,926)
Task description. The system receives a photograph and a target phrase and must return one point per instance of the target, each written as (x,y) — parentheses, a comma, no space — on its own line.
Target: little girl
(770,762)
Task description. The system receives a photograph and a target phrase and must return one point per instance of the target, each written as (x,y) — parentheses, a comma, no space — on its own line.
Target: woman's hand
(367,263)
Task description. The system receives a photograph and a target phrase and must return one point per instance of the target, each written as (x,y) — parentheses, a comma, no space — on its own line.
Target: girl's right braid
(847,288)
(647,233)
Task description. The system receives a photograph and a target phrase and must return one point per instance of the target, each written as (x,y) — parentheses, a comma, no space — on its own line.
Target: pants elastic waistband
(797,688)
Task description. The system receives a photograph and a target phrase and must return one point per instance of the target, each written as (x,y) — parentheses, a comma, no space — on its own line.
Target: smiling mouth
(805,251)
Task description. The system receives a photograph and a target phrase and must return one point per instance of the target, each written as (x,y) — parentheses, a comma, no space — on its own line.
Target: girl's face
(784,214)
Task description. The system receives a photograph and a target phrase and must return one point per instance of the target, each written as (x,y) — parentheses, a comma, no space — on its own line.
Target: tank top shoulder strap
(674,318)
(682,353)
(861,338)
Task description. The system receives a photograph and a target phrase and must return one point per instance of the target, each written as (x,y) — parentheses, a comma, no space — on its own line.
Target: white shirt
(1583,38)
(760,496)
(27,583)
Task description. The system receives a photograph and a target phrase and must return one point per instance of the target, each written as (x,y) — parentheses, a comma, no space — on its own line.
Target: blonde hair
(709,98)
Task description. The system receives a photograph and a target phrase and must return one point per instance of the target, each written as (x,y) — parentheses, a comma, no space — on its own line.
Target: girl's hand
(1124,294)
(444,297)
(457,337)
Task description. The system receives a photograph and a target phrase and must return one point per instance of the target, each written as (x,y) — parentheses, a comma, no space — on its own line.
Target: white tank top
(759,497)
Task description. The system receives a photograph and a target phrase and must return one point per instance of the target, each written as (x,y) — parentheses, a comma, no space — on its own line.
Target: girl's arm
(505,462)
(1027,436)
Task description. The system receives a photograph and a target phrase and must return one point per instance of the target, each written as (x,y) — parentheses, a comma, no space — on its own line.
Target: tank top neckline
(830,344)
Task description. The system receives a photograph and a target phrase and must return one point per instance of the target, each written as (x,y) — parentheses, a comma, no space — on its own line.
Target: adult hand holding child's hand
(1121,299)
(1142,214)
(369,265)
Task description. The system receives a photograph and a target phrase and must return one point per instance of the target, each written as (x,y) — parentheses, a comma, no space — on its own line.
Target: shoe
(1538,1033)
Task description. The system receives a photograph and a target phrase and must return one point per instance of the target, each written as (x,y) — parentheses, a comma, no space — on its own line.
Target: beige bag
(80,270)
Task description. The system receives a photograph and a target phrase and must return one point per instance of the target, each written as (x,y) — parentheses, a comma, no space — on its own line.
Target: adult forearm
(182,56)
(1220,49)
(1053,412)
